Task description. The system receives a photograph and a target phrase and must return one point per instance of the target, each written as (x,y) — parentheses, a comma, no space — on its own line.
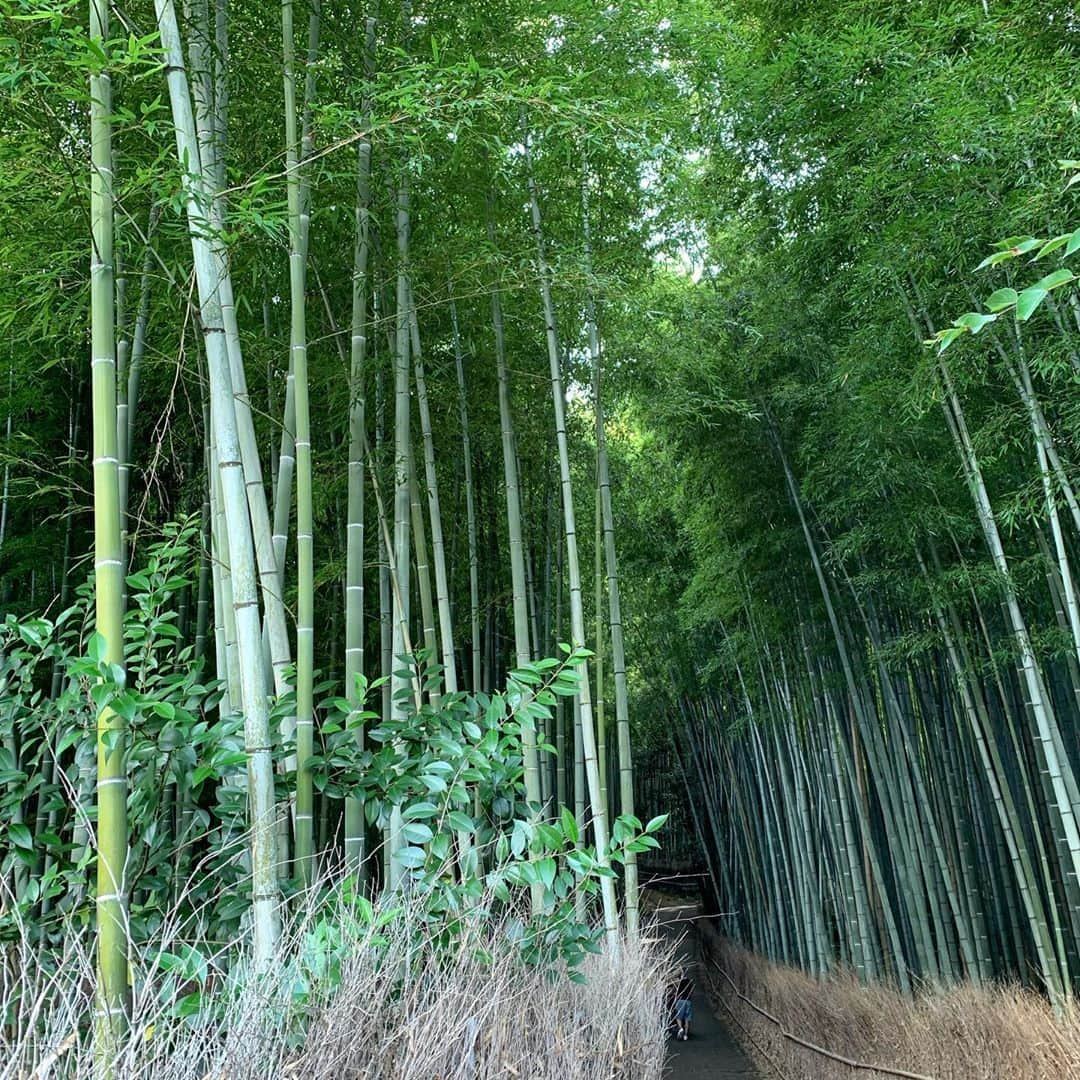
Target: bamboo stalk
(606,521)
(470,502)
(112,838)
(399,681)
(305,619)
(354,536)
(522,650)
(209,270)
(577,616)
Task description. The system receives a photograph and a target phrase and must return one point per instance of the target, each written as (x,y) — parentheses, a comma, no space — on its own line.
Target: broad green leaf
(416,832)
(547,868)
(20,836)
(1053,245)
(946,337)
(569,826)
(996,258)
(1001,299)
(460,822)
(974,322)
(410,857)
(1062,276)
(1028,301)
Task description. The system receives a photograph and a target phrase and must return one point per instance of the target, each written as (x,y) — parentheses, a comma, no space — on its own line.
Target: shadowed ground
(710,1052)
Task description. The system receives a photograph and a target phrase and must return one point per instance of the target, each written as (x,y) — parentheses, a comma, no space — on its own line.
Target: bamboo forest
(539,540)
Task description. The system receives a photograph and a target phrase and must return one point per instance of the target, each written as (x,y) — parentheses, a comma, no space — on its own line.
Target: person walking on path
(684,1006)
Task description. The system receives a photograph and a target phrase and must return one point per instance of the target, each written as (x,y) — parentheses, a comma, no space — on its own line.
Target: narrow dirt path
(710,1053)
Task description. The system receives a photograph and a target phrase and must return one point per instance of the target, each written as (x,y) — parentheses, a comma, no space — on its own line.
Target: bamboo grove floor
(710,1053)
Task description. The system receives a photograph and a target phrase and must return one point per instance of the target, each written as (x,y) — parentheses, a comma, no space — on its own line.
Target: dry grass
(994,1033)
(404,1008)
(462,1019)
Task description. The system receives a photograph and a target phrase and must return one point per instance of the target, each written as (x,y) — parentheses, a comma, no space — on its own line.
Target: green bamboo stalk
(598,618)
(916,791)
(577,615)
(385,560)
(399,681)
(562,761)
(1059,769)
(354,529)
(286,470)
(128,396)
(305,629)
(606,521)
(1056,772)
(445,637)
(905,855)
(1004,805)
(209,269)
(423,573)
(5,488)
(210,98)
(112,838)
(287,459)
(1032,791)
(522,649)
(214,531)
(470,500)
(221,92)
(850,782)
(202,603)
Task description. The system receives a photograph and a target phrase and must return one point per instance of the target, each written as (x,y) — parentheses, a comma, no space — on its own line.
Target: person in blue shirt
(684,1005)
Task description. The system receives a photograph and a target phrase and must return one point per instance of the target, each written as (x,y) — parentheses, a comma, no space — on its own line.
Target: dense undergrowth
(359,990)
(480,953)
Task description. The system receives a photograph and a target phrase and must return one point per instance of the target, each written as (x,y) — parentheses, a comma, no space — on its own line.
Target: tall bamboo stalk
(522,650)
(431,479)
(618,646)
(208,50)
(209,269)
(5,487)
(470,502)
(112,839)
(1058,767)
(577,614)
(305,616)
(128,395)
(354,537)
(399,681)
(423,574)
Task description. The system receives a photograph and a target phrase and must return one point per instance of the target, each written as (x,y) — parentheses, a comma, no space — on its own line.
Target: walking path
(710,1053)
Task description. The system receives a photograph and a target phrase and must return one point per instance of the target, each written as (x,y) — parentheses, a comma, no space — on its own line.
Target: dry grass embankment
(994,1033)
(385,998)
(472,1020)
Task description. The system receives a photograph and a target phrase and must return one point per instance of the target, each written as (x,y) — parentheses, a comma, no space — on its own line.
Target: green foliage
(175,745)
(472,846)
(1022,304)
(468,837)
